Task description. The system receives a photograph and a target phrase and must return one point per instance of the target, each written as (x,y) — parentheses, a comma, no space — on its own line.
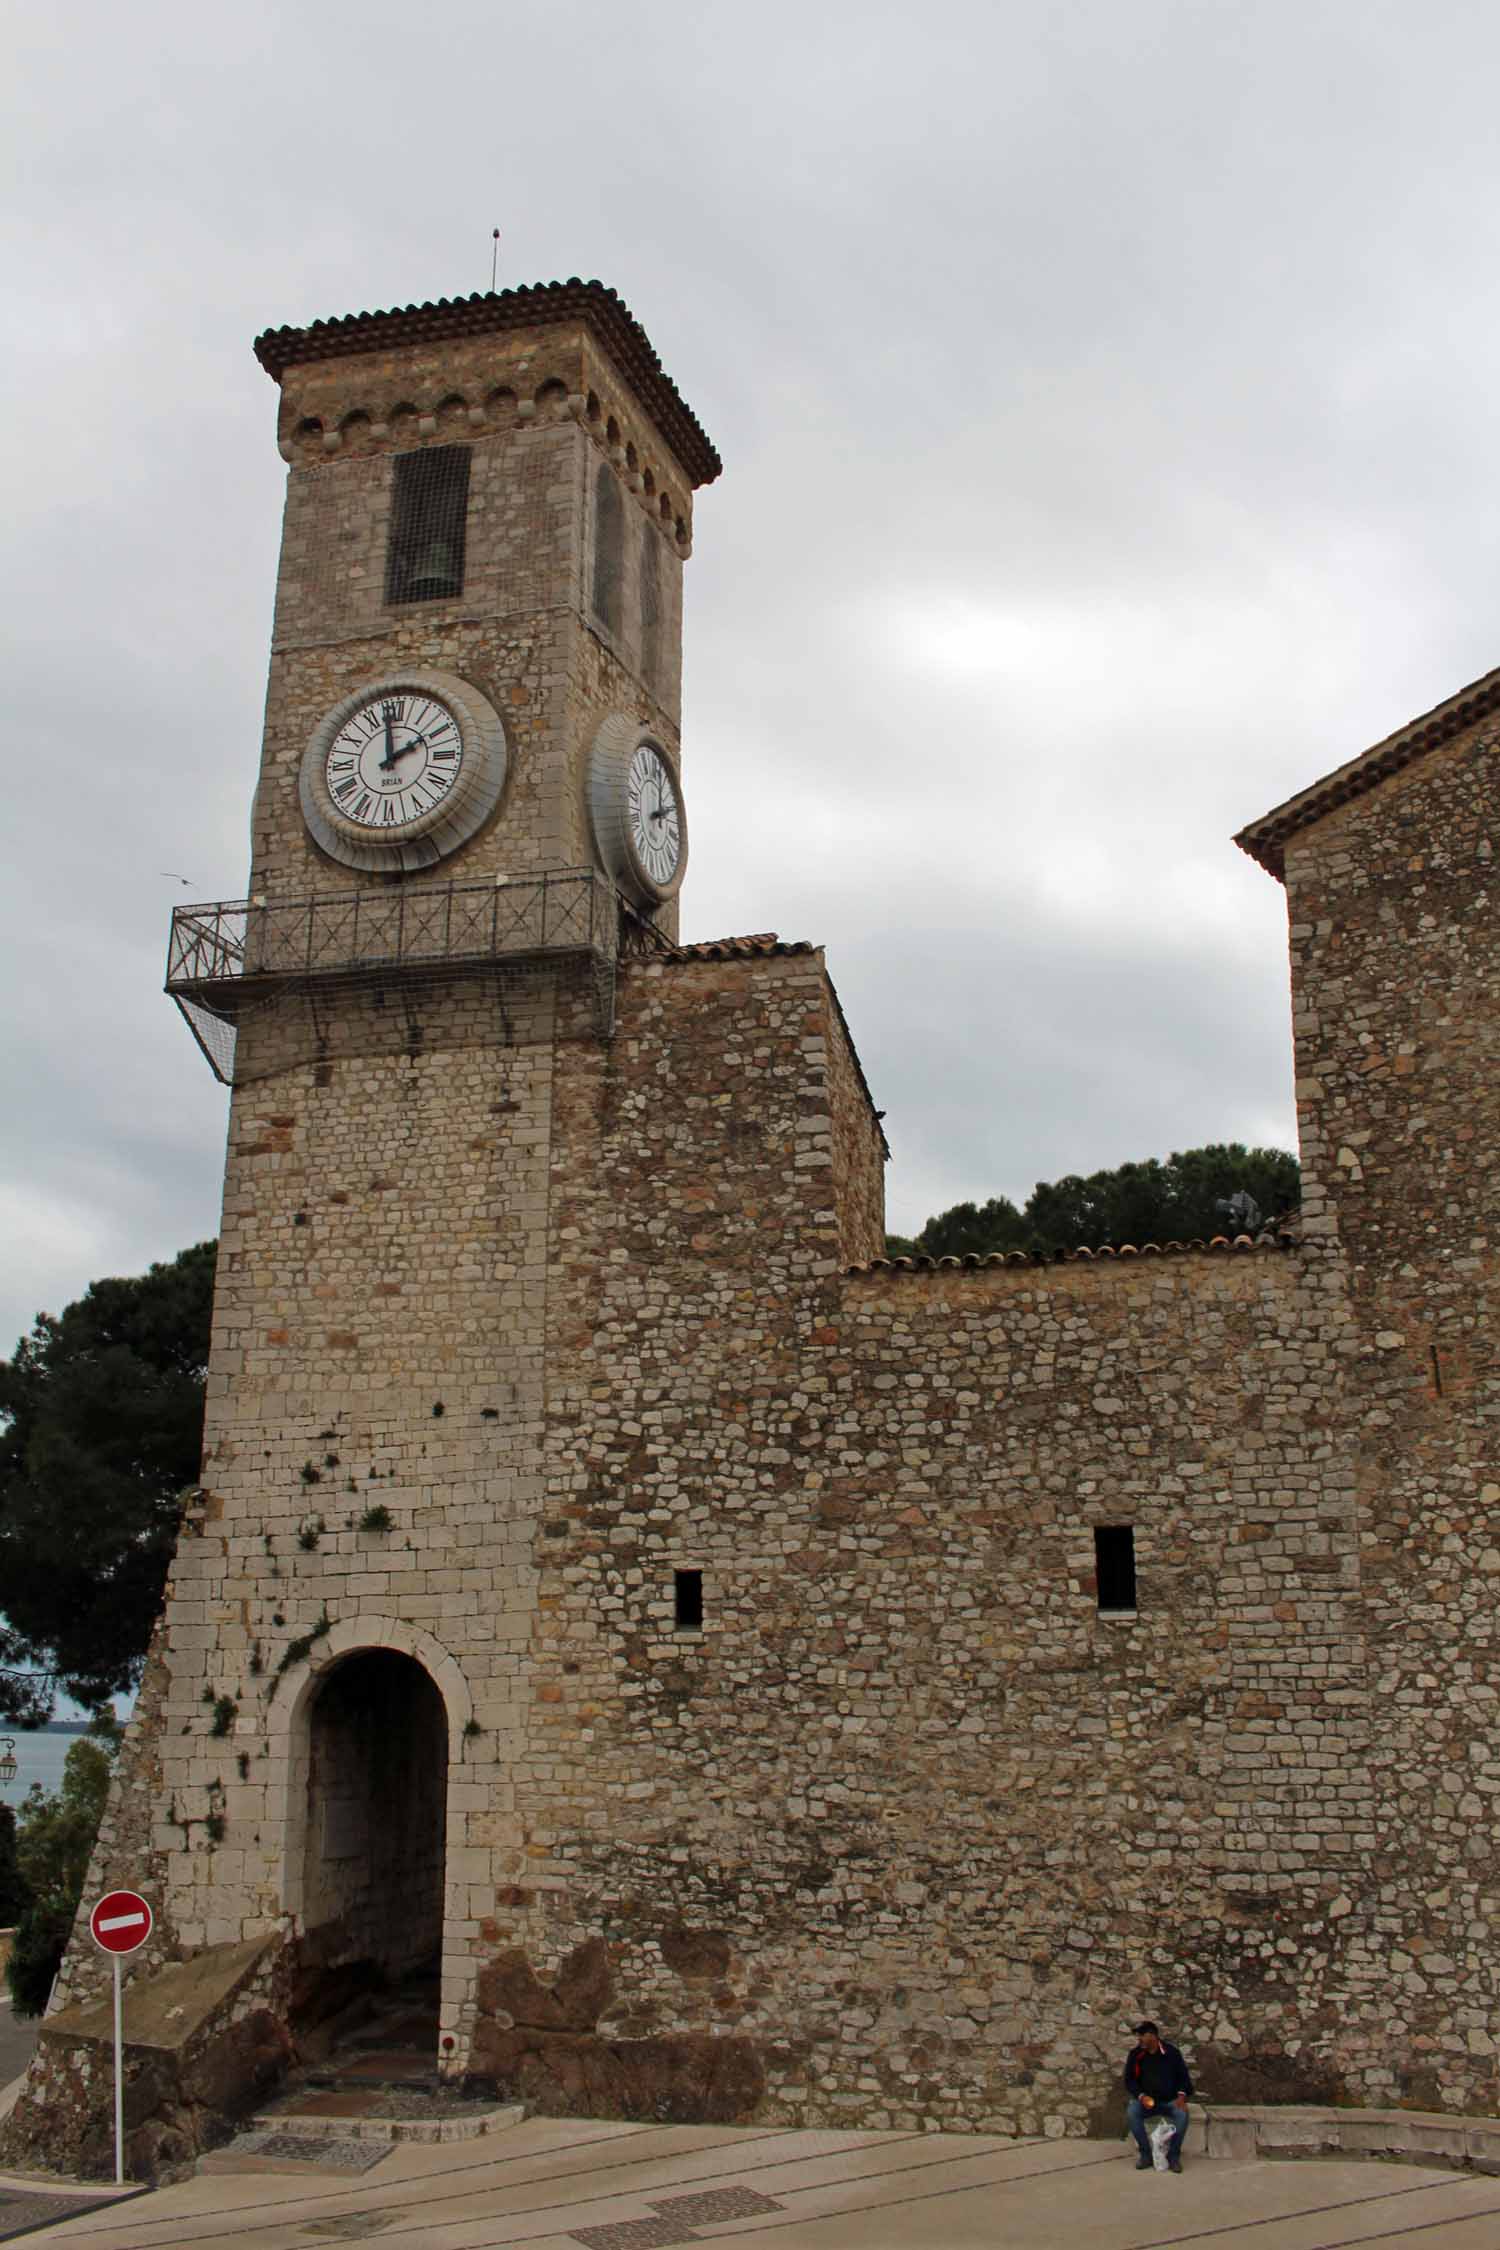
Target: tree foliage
(14,1896)
(54,1840)
(101,1430)
(1149,1202)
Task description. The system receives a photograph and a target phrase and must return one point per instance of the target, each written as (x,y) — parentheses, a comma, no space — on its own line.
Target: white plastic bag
(1159,2134)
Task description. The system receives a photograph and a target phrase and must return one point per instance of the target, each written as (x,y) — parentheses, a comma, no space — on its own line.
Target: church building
(734,1675)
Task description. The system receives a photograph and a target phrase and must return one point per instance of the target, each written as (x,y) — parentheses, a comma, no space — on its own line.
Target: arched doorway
(377,1788)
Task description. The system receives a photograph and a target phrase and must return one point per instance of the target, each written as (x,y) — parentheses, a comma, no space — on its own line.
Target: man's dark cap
(1142,2028)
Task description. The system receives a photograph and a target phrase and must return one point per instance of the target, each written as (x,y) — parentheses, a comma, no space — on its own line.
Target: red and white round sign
(121,1921)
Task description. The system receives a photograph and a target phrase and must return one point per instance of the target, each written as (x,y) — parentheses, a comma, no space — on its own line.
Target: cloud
(1099,388)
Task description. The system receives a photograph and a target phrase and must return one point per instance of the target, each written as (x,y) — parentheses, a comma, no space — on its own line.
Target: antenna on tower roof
(494,260)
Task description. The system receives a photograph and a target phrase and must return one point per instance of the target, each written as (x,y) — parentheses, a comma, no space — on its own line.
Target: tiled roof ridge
(487,312)
(759,944)
(1219,1245)
(1264,839)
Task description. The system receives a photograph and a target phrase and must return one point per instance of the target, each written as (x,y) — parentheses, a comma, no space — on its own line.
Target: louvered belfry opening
(424,560)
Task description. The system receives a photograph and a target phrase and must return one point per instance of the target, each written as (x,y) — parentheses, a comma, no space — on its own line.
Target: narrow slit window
(609,550)
(1114,1566)
(688,1591)
(424,560)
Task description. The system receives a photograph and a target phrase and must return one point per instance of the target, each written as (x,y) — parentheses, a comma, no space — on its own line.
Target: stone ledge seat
(1419,2136)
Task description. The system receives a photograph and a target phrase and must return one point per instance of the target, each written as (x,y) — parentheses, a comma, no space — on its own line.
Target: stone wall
(906,1787)
(521,632)
(1394,904)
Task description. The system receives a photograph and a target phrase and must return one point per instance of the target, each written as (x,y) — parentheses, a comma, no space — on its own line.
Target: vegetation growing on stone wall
(377,1518)
(54,1838)
(226,1711)
(1148,1202)
(303,1646)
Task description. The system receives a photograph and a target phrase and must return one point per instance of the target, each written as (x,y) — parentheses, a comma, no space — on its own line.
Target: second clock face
(654,816)
(394,761)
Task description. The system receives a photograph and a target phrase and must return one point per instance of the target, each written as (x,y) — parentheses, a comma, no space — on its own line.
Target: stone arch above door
(352,1634)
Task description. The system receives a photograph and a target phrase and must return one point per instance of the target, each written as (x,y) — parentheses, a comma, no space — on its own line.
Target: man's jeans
(1140,2121)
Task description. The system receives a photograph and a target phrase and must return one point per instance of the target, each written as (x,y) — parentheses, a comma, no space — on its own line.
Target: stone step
(343,2132)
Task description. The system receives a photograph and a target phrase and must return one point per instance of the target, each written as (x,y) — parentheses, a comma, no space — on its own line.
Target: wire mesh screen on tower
(424,559)
(239,958)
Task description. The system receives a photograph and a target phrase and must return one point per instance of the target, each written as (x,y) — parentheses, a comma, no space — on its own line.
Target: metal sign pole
(119,2084)
(120,1923)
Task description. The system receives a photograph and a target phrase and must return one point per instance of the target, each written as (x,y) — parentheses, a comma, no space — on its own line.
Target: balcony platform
(236,954)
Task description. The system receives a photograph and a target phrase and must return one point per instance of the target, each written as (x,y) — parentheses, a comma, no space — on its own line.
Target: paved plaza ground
(580,2185)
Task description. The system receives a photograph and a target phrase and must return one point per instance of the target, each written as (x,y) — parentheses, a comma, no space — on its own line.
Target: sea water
(39,1756)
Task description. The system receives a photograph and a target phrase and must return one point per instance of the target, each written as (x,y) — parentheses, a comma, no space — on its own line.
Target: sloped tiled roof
(544,304)
(1221,1245)
(763,944)
(1265,839)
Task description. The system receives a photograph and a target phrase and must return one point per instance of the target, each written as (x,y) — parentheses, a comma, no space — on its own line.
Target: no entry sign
(120,1922)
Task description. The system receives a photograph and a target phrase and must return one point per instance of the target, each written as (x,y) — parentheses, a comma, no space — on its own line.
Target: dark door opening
(377,1815)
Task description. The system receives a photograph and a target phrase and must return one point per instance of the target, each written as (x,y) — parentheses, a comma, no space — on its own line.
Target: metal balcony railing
(218,947)
(228,955)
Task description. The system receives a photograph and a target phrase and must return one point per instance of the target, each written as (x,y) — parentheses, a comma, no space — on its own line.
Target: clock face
(636,811)
(403,771)
(393,761)
(654,817)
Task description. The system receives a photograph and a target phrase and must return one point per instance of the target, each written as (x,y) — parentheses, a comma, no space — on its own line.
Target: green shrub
(54,1838)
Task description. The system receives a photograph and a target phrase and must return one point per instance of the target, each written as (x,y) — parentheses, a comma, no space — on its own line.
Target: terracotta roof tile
(763,944)
(544,304)
(1265,839)
(1221,1246)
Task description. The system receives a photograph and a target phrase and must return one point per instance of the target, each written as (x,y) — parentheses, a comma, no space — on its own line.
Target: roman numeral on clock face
(393,761)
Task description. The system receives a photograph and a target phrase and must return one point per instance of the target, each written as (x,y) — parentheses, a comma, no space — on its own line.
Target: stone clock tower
(491,1126)
(469,810)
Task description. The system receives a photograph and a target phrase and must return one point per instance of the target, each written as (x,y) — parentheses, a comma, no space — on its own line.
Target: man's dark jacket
(1162,2076)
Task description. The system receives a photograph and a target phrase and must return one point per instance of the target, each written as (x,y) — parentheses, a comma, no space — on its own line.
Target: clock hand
(417,742)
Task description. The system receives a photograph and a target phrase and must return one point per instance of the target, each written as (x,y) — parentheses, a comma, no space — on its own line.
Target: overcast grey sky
(1106,396)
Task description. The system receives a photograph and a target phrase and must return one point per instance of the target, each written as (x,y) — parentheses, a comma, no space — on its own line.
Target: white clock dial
(394,760)
(636,811)
(403,771)
(654,816)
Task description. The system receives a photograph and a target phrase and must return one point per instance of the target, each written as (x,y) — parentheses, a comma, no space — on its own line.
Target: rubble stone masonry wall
(927,1829)
(524,630)
(1394,905)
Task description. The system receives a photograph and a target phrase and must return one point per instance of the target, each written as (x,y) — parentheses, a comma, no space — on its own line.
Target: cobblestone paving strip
(714,2204)
(351,2227)
(332,2152)
(634,2234)
(23,2211)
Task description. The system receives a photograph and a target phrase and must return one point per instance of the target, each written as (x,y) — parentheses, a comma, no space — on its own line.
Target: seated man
(1157,2081)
